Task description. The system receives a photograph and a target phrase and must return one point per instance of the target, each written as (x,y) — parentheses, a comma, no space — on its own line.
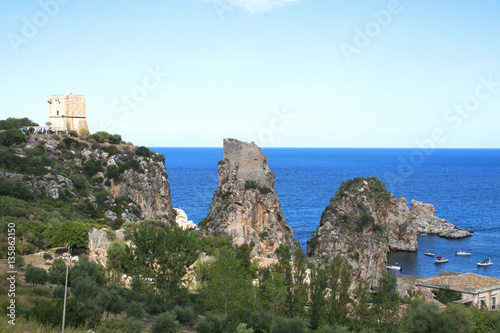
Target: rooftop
(466,280)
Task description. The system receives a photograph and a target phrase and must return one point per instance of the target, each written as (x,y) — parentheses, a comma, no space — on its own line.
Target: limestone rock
(182,221)
(98,245)
(363,222)
(424,218)
(245,205)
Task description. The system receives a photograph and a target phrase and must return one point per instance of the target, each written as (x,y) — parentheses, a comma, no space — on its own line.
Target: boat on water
(429,253)
(462,253)
(394,267)
(485,262)
(440,260)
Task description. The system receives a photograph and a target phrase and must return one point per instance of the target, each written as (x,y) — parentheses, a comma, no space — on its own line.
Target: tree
(12,137)
(386,302)
(275,294)
(339,281)
(110,300)
(361,314)
(119,257)
(57,272)
(288,325)
(85,267)
(84,288)
(165,323)
(318,291)
(35,275)
(71,233)
(456,318)
(447,295)
(420,316)
(163,254)
(227,287)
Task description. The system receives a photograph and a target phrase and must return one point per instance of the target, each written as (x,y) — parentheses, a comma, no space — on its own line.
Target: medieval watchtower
(67,112)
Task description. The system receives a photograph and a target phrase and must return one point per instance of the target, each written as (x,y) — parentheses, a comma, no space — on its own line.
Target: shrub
(83,132)
(143,151)
(112,172)
(35,275)
(115,139)
(135,309)
(13,123)
(19,260)
(211,324)
(12,137)
(286,325)
(47,256)
(73,134)
(101,196)
(84,288)
(92,166)
(242,328)
(110,300)
(59,292)
(334,329)
(57,272)
(125,325)
(15,189)
(185,315)
(165,323)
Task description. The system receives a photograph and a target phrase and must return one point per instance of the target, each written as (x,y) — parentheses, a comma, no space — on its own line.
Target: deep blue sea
(462,184)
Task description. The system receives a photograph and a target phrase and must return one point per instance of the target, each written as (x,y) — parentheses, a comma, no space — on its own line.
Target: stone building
(67,112)
(479,290)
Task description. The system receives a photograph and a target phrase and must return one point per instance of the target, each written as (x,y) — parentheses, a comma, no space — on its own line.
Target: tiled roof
(467,280)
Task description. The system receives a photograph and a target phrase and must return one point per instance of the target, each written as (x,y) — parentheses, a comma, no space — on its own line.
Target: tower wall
(67,111)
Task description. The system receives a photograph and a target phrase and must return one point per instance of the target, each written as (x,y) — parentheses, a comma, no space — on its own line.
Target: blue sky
(282,73)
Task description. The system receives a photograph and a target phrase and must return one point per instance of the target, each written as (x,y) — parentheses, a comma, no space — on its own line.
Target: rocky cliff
(363,222)
(245,205)
(111,183)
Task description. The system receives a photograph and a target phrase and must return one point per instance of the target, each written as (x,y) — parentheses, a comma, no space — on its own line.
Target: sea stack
(245,205)
(363,222)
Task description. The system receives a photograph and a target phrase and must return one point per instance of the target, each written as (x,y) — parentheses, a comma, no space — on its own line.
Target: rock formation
(99,240)
(182,221)
(363,222)
(245,205)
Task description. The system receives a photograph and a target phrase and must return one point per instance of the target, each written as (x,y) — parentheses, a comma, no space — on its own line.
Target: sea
(462,184)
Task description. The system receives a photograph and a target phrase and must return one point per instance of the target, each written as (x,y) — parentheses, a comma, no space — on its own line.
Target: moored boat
(429,253)
(394,267)
(440,260)
(462,253)
(485,262)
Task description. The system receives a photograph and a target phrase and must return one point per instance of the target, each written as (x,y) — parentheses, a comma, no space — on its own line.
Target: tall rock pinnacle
(245,205)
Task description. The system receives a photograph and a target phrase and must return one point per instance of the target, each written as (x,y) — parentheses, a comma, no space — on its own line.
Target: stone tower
(67,112)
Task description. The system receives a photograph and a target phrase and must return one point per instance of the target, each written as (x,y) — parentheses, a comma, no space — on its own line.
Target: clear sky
(282,73)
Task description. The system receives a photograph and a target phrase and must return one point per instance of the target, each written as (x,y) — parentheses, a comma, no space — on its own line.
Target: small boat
(462,253)
(485,262)
(429,253)
(440,260)
(394,267)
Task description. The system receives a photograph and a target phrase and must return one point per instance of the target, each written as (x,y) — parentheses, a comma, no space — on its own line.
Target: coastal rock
(363,222)
(182,221)
(148,187)
(98,245)
(245,205)
(423,216)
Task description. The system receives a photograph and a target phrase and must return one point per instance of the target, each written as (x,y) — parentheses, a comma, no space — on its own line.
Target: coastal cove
(462,184)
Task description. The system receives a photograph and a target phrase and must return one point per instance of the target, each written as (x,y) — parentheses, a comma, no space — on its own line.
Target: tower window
(57,112)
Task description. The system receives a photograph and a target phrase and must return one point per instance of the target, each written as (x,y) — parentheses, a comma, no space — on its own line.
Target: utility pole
(65,290)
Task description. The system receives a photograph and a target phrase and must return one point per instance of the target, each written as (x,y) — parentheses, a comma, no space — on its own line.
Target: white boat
(462,253)
(440,260)
(394,267)
(429,253)
(485,262)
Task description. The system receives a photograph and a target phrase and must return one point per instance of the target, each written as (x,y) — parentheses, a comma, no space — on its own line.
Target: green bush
(47,256)
(99,136)
(125,325)
(73,134)
(15,189)
(115,139)
(211,324)
(59,292)
(84,288)
(12,137)
(165,323)
(92,166)
(57,272)
(135,309)
(83,132)
(16,123)
(287,325)
(35,275)
(101,196)
(72,233)
(143,151)
(112,172)
(252,184)
(185,315)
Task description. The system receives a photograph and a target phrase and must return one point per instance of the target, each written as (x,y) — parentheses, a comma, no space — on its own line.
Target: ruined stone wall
(248,161)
